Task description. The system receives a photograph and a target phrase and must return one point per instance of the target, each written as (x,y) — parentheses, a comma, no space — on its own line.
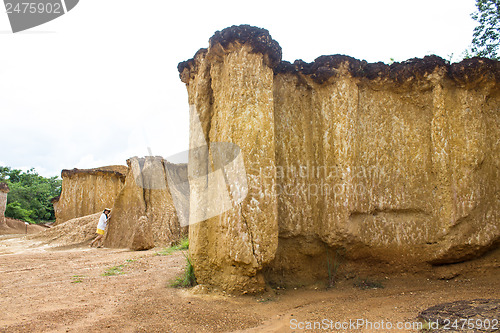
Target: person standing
(101,226)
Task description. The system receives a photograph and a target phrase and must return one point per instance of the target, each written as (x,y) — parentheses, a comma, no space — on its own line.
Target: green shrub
(30,195)
(15,211)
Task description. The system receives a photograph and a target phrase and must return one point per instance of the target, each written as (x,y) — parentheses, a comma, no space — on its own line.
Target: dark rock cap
(324,67)
(117,170)
(260,40)
(474,70)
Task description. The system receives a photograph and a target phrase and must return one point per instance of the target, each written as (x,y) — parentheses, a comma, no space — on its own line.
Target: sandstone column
(230,86)
(4,189)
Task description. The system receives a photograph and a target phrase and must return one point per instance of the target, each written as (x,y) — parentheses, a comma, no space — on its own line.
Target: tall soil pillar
(230,88)
(4,189)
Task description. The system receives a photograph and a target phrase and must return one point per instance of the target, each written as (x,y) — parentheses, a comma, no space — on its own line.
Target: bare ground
(63,289)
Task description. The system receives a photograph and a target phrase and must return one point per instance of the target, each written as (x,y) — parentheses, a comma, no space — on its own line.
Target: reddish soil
(62,289)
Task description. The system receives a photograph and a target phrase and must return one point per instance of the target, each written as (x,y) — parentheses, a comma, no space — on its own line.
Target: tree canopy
(486,36)
(30,194)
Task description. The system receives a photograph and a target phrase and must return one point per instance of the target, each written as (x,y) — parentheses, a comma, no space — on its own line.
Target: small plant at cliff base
(187,279)
(333,265)
(367,284)
(183,244)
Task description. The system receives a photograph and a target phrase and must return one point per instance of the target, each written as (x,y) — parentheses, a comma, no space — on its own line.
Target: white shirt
(103,222)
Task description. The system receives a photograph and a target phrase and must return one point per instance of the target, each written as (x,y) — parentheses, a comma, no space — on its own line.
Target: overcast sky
(100,84)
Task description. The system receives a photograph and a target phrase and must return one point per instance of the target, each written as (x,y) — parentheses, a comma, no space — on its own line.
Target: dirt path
(63,290)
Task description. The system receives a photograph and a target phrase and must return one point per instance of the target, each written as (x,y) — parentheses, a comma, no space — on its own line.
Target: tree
(30,194)
(486,36)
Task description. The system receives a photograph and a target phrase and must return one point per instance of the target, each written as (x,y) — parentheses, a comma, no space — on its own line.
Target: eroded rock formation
(143,215)
(55,202)
(397,163)
(88,191)
(4,189)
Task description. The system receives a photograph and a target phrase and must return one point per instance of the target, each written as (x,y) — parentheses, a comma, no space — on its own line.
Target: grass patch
(77,278)
(115,270)
(187,279)
(333,264)
(368,284)
(183,244)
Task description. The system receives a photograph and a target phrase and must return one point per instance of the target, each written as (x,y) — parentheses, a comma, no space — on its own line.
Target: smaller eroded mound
(74,231)
(13,226)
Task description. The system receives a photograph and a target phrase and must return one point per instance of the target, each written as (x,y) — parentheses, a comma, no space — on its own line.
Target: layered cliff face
(143,215)
(396,163)
(4,189)
(88,191)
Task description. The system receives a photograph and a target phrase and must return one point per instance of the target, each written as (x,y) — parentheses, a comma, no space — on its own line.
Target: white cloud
(104,86)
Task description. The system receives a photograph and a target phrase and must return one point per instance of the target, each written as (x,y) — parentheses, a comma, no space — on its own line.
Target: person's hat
(108,209)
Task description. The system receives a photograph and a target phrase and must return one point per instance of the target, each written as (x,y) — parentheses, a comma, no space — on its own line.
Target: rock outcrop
(4,189)
(55,202)
(143,215)
(395,163)
(88,191)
